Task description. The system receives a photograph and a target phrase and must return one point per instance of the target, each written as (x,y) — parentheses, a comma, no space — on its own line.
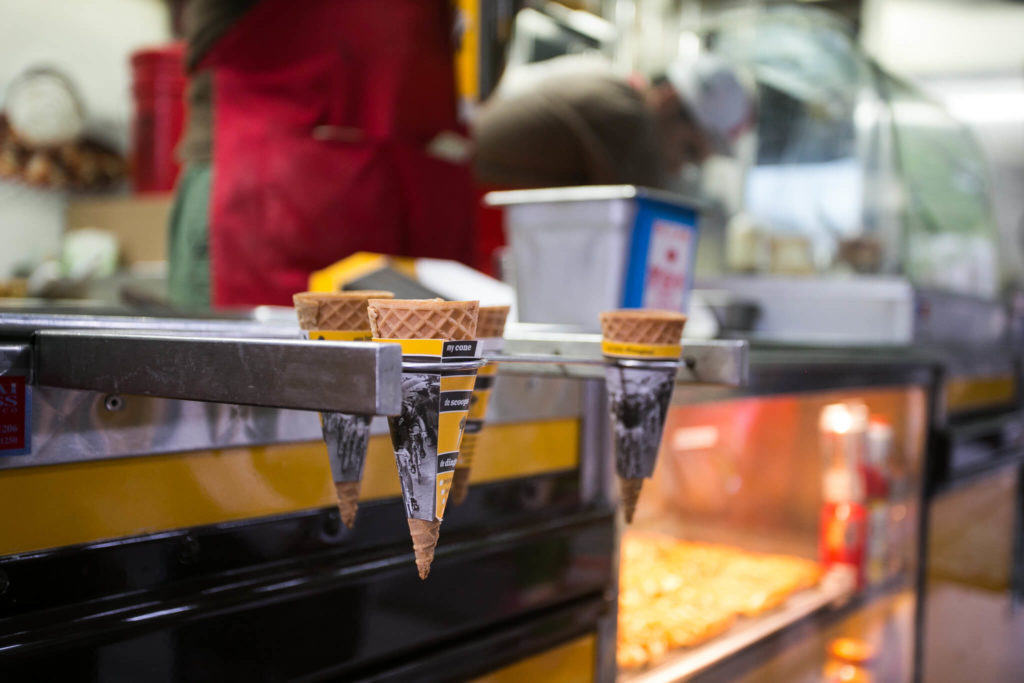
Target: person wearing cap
(581,124)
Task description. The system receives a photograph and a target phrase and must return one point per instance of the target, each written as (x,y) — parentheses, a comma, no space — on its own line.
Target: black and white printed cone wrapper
(437,385)
(341,316)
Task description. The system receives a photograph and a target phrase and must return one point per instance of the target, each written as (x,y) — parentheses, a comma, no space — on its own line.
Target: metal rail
(723,363)
(359,378)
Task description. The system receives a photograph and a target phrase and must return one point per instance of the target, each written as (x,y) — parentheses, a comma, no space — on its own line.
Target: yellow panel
(504,452)
(467,60)
(966,393)
(335,276)
(573,662)
(46,507)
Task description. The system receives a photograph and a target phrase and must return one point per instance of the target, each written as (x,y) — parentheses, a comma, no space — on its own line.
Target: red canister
(158,87)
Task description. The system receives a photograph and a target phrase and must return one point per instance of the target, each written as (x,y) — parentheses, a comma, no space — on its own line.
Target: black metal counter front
(160,538)
(172,515)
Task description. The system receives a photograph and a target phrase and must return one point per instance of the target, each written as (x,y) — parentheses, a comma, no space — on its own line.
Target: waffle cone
(460,486)
(335,310)
(629,491)
(423,319)
(491,322)
(424,541)
(643,327)
(348,501)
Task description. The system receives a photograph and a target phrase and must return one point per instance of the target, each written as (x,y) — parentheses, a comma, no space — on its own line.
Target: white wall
(943,37)
(90,41)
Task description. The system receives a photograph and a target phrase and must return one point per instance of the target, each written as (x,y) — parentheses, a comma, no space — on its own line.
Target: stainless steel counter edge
(719,362)
(350,377)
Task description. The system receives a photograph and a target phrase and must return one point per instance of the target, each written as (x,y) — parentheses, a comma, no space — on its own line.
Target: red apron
(323,111)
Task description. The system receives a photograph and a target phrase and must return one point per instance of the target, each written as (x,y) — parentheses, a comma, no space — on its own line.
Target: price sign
(15,416)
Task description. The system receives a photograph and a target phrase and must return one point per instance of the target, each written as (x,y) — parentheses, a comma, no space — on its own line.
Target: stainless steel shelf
(723,363)
(360,378)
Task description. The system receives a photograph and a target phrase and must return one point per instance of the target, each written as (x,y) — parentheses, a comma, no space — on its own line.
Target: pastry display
(675,594)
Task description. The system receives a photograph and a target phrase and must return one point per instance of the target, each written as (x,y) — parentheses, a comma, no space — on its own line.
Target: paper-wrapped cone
(424,541)
(491,330)
(435,401)
(639,394)
(341,316)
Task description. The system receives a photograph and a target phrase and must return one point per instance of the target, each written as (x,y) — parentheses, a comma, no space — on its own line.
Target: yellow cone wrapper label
(427,434)
(339,335)
(485,377)
(614,349)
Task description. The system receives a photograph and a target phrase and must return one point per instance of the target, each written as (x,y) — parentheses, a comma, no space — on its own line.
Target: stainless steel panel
(348,377)
(77,426)
(518,398)
(15,359)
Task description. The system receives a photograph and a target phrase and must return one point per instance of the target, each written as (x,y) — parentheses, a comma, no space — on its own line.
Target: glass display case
(855,170)
(778,537)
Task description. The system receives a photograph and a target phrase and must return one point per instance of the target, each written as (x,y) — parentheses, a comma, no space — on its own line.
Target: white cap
(710,88)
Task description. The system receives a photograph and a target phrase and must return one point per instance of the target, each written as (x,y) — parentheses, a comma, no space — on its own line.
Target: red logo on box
(14,428)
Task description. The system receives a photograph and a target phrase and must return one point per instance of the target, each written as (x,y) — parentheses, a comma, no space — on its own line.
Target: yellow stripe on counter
(47,507)
(969,393)
(573,662)
(503,452)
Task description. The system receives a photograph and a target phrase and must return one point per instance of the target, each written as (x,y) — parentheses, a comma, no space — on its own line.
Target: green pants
(189,248)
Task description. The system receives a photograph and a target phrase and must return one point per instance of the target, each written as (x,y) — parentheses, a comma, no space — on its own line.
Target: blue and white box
(578,251)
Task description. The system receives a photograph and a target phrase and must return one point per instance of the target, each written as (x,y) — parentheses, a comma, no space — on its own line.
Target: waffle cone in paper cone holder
(423,319)
(335,310)
(491,321)
(639,393)
(440,358)
(490,328)
(642,327)
(341,316)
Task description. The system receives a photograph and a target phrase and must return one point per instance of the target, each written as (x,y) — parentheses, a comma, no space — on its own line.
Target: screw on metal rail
(332,523)
(188,552)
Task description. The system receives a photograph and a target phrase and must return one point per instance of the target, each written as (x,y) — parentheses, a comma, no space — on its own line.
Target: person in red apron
(334,130)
